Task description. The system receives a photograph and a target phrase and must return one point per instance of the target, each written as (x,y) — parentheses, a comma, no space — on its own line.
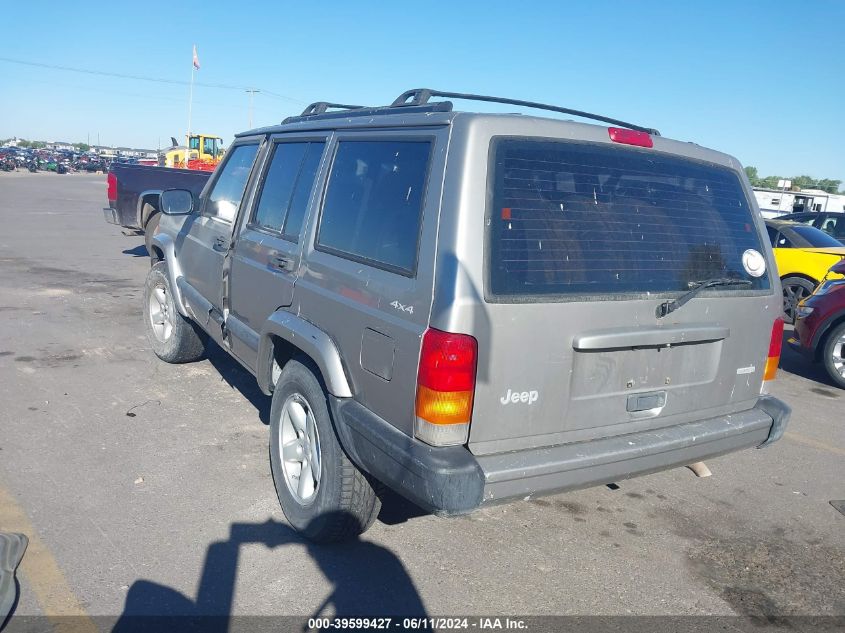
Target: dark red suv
(820,326)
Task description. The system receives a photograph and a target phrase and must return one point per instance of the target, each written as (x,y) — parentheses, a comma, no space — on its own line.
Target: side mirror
(176,202)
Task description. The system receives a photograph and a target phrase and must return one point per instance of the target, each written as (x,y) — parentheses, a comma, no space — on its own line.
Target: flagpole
(191,99)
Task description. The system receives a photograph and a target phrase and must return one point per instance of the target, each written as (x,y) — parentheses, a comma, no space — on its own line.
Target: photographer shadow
(366,580)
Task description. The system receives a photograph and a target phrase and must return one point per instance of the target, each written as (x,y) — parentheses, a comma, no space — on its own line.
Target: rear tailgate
(583,242)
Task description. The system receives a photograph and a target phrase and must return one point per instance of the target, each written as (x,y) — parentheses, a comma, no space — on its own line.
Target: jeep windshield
(569,219)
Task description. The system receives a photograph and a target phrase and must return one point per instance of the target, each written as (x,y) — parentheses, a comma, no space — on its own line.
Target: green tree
(829,185)
(804,182)
(769,182)
(82,147)
(752,174)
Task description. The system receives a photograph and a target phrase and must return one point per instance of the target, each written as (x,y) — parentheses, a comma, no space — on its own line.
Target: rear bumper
(110,216)
(450,481)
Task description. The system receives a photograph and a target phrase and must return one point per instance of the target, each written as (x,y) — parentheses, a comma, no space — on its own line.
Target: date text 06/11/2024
(418,623)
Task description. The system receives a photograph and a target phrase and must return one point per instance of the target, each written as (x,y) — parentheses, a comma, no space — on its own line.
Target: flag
(196,59)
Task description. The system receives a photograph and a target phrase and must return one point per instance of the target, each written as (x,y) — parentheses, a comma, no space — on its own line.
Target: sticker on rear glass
(754,263)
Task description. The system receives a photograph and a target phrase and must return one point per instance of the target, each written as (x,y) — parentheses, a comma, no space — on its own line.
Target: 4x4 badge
(409,309)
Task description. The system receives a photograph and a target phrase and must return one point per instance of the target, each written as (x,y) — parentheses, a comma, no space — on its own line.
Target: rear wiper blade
(667,307)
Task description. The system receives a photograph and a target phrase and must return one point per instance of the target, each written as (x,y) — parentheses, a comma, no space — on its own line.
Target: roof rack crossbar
(362,111)
(421,96)
(321,107)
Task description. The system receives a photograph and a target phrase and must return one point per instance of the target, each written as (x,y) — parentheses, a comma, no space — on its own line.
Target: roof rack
(320,107)
(315,110)
(421,96)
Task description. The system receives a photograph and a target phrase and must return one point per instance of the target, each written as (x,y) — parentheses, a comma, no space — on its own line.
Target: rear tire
(322,493)
(794,290)
(833,355)
(149,230)
(174,338)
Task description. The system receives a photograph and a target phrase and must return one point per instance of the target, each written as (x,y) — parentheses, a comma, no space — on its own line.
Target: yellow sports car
(803,255)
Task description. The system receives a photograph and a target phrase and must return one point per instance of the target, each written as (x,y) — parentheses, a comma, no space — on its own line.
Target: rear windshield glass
(568,218)
(816,238)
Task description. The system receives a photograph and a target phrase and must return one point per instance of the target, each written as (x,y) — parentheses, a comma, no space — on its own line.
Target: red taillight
(445,387)
(111,187)
(775,345)
(630,137)
(447,361)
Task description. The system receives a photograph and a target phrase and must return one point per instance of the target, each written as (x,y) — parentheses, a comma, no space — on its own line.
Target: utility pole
(251,92)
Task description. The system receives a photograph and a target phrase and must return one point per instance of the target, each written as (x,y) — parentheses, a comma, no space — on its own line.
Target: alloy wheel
(299,447)
(161,317)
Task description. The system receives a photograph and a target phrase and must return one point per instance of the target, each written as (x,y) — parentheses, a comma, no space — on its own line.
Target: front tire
(833,355)
(794,290)
(174,338)
(322,493)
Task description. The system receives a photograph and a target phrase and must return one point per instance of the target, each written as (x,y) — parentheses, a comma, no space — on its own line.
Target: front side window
(782,241)
(373,203)
(228,190)
(570,219)
(835,226)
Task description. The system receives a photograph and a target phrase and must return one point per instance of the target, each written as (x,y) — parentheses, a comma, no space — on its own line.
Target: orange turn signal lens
(775,344)
(771,370)
(444,407)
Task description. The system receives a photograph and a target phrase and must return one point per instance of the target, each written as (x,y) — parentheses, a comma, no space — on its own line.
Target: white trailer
(775,202)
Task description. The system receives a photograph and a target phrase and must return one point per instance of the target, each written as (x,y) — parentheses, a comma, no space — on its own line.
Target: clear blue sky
(760,80)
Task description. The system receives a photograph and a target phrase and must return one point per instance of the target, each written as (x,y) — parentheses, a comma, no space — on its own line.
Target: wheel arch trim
(824,329)
(141,202)
(803,276)
(308,338)
(166,245)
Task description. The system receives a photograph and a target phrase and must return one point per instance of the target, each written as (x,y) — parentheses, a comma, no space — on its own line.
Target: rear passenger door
(267,254)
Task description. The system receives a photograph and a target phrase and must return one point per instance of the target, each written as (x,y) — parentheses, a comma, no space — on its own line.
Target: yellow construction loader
(203,152)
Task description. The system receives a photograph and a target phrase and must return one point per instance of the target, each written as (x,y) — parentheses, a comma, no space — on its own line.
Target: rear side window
(302,191)
(573,219)
(278,185)
(287,186)
(816,238)
(373,203)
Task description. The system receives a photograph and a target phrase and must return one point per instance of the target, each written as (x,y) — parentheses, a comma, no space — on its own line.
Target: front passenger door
(206,236)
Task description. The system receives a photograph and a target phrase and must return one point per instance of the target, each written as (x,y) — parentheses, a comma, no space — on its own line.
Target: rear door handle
(282,262)
(220,244)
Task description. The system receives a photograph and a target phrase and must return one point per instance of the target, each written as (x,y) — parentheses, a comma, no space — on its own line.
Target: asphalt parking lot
(145,487)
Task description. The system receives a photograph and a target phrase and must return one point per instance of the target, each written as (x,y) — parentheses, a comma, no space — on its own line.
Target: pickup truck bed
(131,187)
